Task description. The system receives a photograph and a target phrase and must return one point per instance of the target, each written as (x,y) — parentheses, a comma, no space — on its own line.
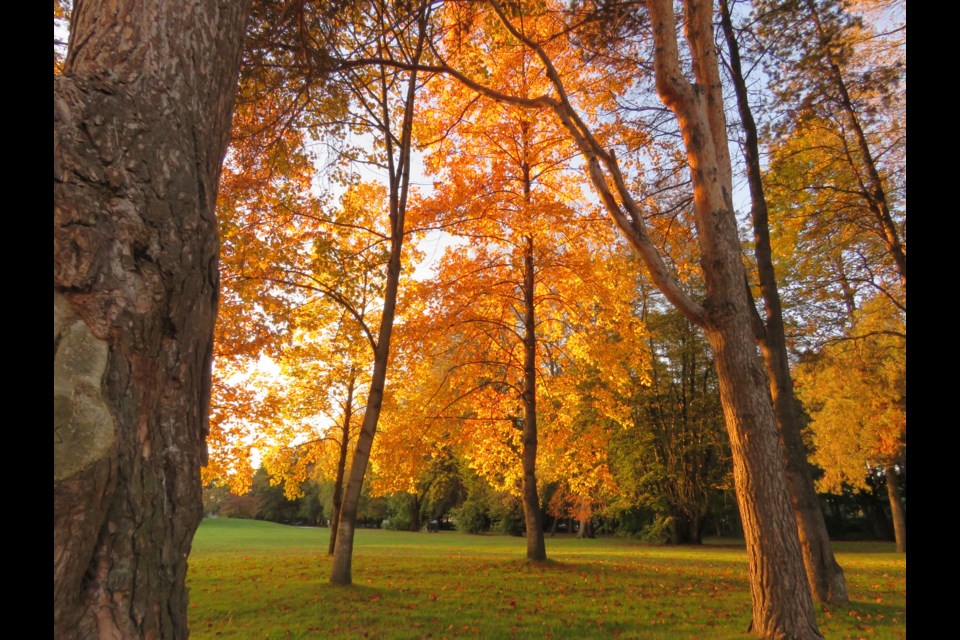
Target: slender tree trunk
(341,464)
(897,511)
(824,574)
(141,122)
(686,529)
(696,529)
(840,521)
(871,504)
(340,572)
(399,172)
(536,548)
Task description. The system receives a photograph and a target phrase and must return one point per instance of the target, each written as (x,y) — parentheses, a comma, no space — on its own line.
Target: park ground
(251,579)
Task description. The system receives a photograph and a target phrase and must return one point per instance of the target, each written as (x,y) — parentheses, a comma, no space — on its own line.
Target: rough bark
(897,512)
(782,607)
(536,548)
(826,578)
(141,122)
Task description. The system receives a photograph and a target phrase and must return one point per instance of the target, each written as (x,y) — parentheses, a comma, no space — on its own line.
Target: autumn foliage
(532,351)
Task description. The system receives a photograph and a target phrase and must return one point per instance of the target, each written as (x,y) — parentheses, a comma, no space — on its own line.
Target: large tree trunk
(782,607)
(536,547)
(897,511)
(141,122)
(827,582)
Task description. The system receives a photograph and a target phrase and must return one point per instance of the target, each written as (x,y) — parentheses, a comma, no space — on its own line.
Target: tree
(855,392)
(840,82)
(141,121)
(316,277)
(826,578)
(301,254)
(389,99)
(782,606)
(673,459)
(509,304)
(835,176)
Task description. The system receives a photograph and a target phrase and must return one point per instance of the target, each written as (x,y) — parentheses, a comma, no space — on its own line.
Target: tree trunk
(839,524)
(782,607)
(399,173)
(696,529)
(536,547)
(826,579)
(340,572)
(141,122)
(414,513)
(586,529)
(897,511)
(341,464)
(686,529)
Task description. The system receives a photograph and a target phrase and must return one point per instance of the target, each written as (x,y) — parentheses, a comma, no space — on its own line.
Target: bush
(399,512)
(658,531)
(509,519)
(471,517)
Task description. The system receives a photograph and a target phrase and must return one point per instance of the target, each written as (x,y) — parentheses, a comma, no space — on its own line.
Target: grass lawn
(252,579)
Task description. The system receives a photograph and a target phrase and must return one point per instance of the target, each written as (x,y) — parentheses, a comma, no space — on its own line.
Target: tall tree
(673,458)
(782,605)
(509,300)
(141,121)
(390,101)
(836,173)
(826,578)
(307,252)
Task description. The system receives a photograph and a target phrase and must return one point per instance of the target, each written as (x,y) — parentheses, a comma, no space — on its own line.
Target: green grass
(262,580)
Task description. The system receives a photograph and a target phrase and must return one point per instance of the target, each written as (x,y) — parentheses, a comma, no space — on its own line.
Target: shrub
(472,517)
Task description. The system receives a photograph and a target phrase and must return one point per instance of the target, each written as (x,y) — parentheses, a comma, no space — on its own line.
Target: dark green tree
(675,460)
